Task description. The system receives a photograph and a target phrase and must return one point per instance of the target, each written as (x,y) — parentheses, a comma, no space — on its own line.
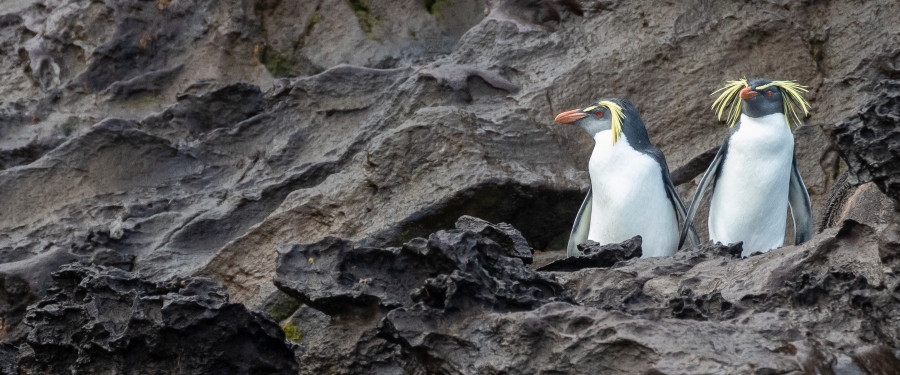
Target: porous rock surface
(595,255)
(504,234)
(868,140)
(179,138)
(455,273)
(98,320)
(831,305)
(447,268)
(198,136)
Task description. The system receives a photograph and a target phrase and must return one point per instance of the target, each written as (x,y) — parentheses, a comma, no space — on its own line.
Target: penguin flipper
(681,213)
(581,227)
(708,177)
(801,211)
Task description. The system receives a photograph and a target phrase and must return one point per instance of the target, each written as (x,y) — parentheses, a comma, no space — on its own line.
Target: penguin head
(761,98)
(606,114)
(758,97)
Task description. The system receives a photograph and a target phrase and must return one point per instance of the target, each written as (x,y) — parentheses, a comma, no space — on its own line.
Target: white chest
(749,202)
(629,198)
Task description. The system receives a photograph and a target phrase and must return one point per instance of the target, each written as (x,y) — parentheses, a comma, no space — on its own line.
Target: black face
(767,101)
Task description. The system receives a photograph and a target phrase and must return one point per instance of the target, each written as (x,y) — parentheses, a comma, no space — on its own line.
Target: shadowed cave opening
(543,214)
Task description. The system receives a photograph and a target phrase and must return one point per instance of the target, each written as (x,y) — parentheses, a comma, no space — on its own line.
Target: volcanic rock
(104,320)
(353,289)
(868,140)
(9,359)
(503,234)
(193,137)
(23,283)
(451,270)
(861,203)
(597,255)
(203,134)
(830,305)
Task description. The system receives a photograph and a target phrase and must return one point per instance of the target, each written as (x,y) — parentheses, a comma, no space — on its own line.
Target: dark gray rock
(503,234)
(868,141)
(597,255)
(262,123)
(279,305)
(451,270)
(195,115)
(9,359)
(483,277)
(160,135)
(23,283)
(353,290)
(861,203)
(829,305)
(28,153)
(112,258)
(100,320)
(336,277)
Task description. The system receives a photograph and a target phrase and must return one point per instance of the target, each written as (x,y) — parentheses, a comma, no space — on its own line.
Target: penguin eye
(768,93)
(599,114)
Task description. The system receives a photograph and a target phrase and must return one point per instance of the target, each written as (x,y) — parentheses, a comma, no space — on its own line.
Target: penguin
(631,192)
(754,176)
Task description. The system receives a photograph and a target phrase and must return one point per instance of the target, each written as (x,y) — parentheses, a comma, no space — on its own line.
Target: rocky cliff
(182,139)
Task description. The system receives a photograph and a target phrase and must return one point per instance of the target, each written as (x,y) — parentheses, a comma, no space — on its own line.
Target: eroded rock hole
(544,215)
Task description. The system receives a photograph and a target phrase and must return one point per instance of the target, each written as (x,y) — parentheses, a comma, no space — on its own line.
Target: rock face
(193,138)
(9,359)
(97,320)
(868,140)
(595,255)
(828,306)
(457,273)
(197,136)
(449,270)
(862,203)
(503,234)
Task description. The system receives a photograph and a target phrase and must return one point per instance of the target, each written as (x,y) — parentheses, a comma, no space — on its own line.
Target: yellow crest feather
(617,117)
(729,101)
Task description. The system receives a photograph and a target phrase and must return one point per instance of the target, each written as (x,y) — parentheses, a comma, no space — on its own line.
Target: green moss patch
(282,307)
(280,65)
(367,20)
(311,22)
(292,332)
(434,6)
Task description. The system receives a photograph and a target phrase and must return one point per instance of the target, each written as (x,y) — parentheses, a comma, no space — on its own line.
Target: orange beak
(569,117)
(747,93)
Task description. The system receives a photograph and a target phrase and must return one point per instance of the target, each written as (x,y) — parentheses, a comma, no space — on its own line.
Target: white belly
(629,199)
(750,199)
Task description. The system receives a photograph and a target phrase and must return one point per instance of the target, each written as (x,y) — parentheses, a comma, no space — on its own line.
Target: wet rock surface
(102,320)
